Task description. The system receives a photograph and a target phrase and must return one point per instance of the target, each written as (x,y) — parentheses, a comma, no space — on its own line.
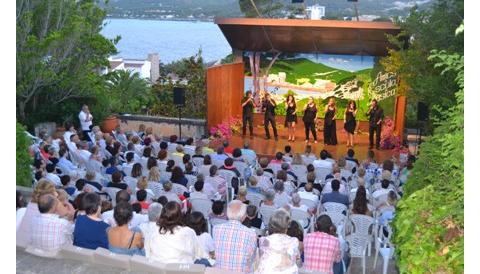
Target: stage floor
(268,148)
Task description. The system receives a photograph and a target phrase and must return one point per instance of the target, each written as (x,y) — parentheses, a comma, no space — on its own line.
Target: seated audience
(217,211)
(173,242)
(65,179)
(137,219)
(52,175)
(296,230)
(198,193)
(147,228)
(252,219)
(253,185)
(228,165)
(335,196)
(281,197)
(197,222)
(323,162)
(121,239)
(178,177)
(278,252)
(360,203)
(308,194)
(321,248)
(142,199)
(49,231)
(90,231)
(118,182)
(239,256)
(242,195)
(20,208)
(169,193)
(382,191)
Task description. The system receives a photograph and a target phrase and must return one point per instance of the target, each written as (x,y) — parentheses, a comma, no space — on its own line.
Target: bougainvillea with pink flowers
(226,129)
(388,139)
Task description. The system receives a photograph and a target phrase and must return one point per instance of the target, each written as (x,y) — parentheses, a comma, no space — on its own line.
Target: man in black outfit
(247,116)
(375,114)
(268,106)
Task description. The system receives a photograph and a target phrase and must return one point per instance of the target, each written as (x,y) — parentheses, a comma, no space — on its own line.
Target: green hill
(304,68)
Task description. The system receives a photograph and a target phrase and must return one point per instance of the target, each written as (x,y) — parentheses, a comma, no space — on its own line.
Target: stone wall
(165,126)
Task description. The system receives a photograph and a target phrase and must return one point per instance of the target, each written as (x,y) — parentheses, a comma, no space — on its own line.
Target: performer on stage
(291,118)
(329,127)
(349,121)
(309,116)
(269,106)
(375,114)
(248,104)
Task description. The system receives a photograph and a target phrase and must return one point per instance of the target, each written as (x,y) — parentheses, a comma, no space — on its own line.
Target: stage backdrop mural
(346,77)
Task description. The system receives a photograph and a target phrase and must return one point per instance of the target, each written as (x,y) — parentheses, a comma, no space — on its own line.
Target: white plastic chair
(321,173)
(302,217)
(201,205)
(307,159)
(112,192)
(275,167)
(309,203)
(385,247)
(255,198)
(301,172)
(358,248)
(241,167)
(178,160)
(197,161)
(362,225)
(332,207)
(266,212)
(179,189)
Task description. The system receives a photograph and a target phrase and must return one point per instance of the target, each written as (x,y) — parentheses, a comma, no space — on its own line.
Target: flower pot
(109,124)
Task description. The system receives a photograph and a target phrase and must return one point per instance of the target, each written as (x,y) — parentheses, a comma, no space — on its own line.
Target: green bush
(24,176)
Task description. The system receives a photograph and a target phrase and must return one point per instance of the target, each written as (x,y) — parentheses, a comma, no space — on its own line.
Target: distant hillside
(207,9)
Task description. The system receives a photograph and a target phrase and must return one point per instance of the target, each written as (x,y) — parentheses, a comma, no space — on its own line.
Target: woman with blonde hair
(142,183)
(154,181)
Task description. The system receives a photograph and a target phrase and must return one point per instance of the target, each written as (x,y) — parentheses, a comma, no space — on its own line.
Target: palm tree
(128,91)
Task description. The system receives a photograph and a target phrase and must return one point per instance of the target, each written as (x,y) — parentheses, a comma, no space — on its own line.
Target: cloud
(338,60)
(406,5)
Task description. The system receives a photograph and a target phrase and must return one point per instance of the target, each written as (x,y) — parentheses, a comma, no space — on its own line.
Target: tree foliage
(188,73)
(59,52)
(429,226)
(23,159)
(427,29)
(266,8)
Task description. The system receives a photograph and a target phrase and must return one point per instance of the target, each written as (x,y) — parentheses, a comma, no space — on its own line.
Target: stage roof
(307,36)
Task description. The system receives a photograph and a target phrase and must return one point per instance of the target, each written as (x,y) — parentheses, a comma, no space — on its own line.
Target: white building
(147,69)
(316,12)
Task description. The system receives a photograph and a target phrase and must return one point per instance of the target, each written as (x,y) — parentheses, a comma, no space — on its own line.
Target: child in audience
(252,219)
(217,211)
(142,200)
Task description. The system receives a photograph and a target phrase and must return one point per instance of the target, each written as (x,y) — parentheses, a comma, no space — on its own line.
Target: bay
(172,40)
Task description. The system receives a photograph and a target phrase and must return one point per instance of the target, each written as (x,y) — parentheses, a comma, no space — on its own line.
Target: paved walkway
(29,264)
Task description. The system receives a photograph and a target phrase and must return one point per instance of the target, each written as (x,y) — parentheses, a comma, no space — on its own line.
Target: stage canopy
(307,36)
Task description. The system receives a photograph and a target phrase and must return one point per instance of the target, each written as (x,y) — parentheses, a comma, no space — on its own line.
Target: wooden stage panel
(225,88)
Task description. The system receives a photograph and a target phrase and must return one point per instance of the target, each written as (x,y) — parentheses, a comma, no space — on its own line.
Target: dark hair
(137,208)
(198,185)
(141,195)
(351,102)
(385,183)
(293,100)
(20,200)
(282,175)
(237,153)
(91,202)
(136,170)
(106,206)
(388,165)
(177,174)
(50,168)
(46,202)
(65,179)
(207,160)
(186,158)
(173,138)
(170,165)
(38,175)
(323,154)
(288,148)
(129,156)
(38,163)
(106,162)
(295,230)
(147,141)
(350,152)
(122,196)
(279,155)
(170,218)
(311,177)
(197,222)
(151,162)
(62,151)
(310,168)
(213,170)
(360,202)
(123,213)
(251,211)
(324,224)
(78,202)
(162,200)
(117,176)
(80,184)
(189,141)
(163,145)
(220,150)
(162,154)
(335,184)
(217,207)
(228,161)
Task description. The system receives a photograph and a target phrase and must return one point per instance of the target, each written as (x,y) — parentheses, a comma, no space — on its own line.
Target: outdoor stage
(268,148)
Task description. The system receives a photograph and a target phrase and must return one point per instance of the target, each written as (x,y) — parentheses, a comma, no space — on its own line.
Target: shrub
(24,177)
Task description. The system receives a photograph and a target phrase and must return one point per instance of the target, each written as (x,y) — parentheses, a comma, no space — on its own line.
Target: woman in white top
(173,242)
(197,222)
(278,251)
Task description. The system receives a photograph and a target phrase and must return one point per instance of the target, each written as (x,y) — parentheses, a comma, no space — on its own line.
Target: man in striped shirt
(235,244)
(49,231)
(321,248)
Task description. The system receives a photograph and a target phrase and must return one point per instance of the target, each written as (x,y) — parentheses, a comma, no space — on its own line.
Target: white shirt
(206,242)
(82,116)
(309,196)
(20,213)
(182,246)
(198,195)
(379,192)
(281,199)
(84,154)
(322,164)
(52,177)
(137,219)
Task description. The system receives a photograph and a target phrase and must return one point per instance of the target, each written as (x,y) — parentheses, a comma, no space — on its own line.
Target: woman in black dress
(291,118)
(329,127)
(349,121)
(309,116)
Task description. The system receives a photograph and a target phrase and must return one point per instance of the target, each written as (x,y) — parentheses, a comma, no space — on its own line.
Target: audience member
(121,239)
(252,220)
(197,222)
(90,231)
(335,196)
